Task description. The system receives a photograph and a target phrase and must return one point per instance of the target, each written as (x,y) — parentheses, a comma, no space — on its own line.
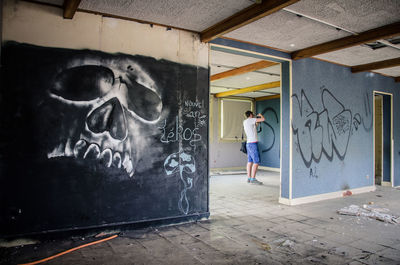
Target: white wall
(44,26)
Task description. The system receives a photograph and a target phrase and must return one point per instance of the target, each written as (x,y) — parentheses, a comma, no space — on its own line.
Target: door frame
(391,183)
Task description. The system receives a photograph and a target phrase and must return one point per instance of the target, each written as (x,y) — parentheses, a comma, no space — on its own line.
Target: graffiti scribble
(181,162)
(273,113)
(326,132)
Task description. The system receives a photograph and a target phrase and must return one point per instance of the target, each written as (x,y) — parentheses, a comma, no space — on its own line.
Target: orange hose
(70,250)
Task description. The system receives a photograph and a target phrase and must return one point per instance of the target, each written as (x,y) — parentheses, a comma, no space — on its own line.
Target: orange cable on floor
(70,250)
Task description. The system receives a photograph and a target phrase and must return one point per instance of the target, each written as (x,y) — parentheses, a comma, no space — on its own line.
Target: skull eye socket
(143,101)
(83,83)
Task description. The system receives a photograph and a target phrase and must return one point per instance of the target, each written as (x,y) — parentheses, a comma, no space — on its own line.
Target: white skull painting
(109,103)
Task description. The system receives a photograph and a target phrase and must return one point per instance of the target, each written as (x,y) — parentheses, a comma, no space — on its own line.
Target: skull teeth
(93,152)
(106,157)
(117,161)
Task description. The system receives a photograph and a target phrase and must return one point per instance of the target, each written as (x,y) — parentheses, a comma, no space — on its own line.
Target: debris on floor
(379,214)
(347,193)
(288,243)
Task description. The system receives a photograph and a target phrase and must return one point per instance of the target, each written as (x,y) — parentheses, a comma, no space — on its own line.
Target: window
(232,116)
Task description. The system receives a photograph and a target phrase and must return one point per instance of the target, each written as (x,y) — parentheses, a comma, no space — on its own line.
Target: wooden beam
(376,65)
(397,79)
(268,97)
(248,89)
(244,17)
(70,7)
(346,42)
(242,70)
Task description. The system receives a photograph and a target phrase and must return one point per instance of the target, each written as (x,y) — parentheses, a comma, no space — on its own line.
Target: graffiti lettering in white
(177,133)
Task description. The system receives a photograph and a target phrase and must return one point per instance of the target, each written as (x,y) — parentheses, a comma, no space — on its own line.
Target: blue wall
(331,124)
(269,137)
(332,127)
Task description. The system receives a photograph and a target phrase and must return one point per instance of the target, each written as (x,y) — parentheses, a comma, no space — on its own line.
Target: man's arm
(260,118)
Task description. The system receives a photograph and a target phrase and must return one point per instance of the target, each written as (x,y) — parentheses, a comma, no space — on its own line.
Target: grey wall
(332,127)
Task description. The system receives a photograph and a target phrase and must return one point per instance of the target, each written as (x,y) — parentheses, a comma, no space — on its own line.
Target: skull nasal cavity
(108,117)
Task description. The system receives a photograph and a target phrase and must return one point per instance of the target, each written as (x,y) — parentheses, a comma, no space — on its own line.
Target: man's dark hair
(248,113)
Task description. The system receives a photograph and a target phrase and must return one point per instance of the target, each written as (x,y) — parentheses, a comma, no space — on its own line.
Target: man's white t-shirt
(249,126)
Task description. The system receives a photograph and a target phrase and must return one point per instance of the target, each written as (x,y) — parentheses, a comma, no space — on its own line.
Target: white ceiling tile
(188,14)
(360,55)
(392,71)
(286,31)
(354,15)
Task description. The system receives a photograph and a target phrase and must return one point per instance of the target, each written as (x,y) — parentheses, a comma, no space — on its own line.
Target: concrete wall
(103,121)
(332,126)
(44,26)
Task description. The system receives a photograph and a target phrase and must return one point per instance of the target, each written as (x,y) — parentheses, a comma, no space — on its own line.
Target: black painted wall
(92,139)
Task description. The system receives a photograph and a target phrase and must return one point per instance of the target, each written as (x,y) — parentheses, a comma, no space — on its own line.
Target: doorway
(242,80)
(383,139)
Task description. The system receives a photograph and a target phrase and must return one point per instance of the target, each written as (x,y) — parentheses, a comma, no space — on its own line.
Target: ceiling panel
(53,2)
(360,55)
(354,15)
(392,71)
(247,80)
(188,14)
(286,31)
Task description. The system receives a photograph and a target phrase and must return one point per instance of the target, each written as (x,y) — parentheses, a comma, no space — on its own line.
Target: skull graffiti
(106,108)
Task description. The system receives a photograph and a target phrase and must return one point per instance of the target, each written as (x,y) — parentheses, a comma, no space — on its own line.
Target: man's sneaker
(255,181)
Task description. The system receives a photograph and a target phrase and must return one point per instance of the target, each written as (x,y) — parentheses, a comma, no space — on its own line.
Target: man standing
(253,156)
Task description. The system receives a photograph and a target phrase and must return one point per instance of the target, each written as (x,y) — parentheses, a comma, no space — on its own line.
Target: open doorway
(241,81)
(383,139)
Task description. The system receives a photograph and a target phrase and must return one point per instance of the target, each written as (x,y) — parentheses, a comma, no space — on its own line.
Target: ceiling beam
(244,17)
(376,65)
(242,70)
(268,97)
(397,79)
(346,42)
(70,7)
(248,89)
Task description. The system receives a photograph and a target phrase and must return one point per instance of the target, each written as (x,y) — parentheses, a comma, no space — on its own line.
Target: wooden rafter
(346,42)
(248,89)
(242,70)
(268,97)
(244,17)
(376,65)
(70,7)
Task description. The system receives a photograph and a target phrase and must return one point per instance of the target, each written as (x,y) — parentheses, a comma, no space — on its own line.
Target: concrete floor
(247,226)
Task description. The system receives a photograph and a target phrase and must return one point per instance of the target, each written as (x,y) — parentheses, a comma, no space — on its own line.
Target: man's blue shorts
(253,156)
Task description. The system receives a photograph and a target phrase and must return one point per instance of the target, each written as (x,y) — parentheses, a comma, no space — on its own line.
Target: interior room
(241,82)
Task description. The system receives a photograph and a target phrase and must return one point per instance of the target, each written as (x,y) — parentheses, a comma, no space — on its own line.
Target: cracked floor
(247,226)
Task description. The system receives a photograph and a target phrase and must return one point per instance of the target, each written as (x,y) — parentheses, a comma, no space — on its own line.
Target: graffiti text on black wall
(184,131)
(327,132)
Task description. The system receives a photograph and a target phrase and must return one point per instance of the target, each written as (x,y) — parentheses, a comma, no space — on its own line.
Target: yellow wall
(44,26)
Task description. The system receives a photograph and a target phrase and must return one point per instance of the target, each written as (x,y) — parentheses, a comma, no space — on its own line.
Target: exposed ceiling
(303,28)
